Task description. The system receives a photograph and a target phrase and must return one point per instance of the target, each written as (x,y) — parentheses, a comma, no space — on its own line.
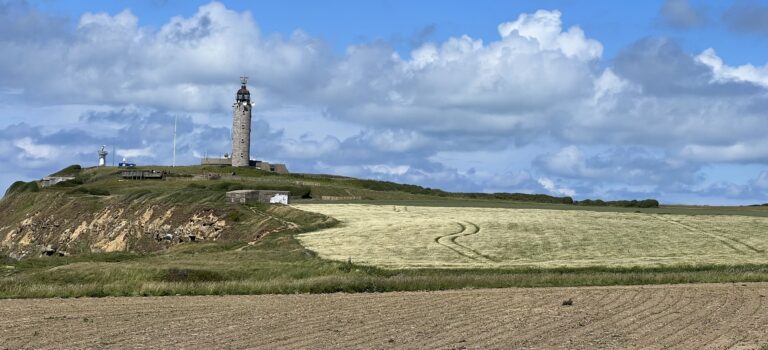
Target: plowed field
(683,316)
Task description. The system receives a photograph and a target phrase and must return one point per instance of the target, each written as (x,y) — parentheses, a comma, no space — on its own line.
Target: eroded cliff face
(59,225)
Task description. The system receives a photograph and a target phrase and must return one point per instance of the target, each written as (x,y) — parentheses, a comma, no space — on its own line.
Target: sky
(589,99)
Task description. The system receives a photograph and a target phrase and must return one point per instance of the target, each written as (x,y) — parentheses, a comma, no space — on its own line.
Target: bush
(234,216)
(592,203)
(226,186)
(646,203)
(190,275)
(6,260)
(71,170)
(69,183)
(95,191)
(21,186)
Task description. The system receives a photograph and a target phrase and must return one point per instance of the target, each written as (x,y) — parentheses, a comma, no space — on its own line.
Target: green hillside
(99,235)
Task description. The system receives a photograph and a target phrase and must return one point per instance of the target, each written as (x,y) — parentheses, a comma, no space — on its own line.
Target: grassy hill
(101,235)
(99,211)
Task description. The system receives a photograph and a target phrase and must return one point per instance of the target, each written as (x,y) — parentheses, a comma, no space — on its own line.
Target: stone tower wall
(241,135)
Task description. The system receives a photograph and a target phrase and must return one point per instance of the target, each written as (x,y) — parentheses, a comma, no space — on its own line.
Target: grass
(433,237)
(278,263)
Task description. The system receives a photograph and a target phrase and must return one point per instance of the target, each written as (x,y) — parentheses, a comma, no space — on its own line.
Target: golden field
(448,237)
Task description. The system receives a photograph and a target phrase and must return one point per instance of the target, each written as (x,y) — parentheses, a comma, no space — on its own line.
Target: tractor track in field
(730,242)
(466,228)
(703,316)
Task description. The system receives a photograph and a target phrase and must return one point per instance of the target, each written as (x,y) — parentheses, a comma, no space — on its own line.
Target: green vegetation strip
(279,264)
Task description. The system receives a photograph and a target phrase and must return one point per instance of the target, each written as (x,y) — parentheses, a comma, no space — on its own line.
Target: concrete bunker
(258,196)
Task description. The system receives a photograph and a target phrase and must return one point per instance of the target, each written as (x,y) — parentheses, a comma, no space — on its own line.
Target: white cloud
(545,27)
(648,120)
(736,152)
(388,169)
(680,14)
(550,186)
(309,149)
(761,181)
(723,72)
(33,150)
(130,153)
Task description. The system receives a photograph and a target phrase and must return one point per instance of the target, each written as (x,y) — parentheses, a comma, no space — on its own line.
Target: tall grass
(278,264)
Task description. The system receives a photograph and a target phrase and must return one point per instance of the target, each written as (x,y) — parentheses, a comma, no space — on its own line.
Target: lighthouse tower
(103,156)
(241,126)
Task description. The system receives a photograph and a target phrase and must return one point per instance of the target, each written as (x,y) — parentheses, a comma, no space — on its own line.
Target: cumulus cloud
(722,72)
(647,121)
(737,152)
(552,188)
(680,14)
(441,87)
(761,181)
(747,16)
(617,165)
(187,64)
(662,68)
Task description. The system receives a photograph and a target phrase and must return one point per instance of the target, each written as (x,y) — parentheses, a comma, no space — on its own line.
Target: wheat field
(443,237)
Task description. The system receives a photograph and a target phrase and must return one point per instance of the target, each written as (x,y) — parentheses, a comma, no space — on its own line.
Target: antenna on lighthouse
(175,119)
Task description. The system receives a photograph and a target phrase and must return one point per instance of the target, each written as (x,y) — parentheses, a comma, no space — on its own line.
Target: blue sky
(662,99)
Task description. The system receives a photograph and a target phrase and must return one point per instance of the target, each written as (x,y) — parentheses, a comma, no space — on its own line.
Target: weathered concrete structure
(261,196)
(52,180)
(225,161)
(142,175)
(241,126)
(275,168)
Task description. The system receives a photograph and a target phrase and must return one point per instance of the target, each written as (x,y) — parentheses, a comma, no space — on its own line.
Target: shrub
(95,191)
(190,275)
(646,203)
(226,186)
(70,183)
(21,186)
(234,216)
(71,170)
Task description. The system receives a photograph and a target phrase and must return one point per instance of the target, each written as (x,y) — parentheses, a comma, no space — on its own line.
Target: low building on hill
(258,196)
(274,168)
(225,161)
(52,180)
(258,164)
(143,175)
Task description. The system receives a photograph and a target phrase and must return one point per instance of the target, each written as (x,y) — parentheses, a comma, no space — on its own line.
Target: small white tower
(241,126)
(103,156)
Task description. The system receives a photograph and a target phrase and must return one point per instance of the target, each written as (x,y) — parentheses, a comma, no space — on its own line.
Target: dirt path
(720,316)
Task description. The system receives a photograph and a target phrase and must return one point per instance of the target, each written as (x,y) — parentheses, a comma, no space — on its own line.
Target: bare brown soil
(713,316)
